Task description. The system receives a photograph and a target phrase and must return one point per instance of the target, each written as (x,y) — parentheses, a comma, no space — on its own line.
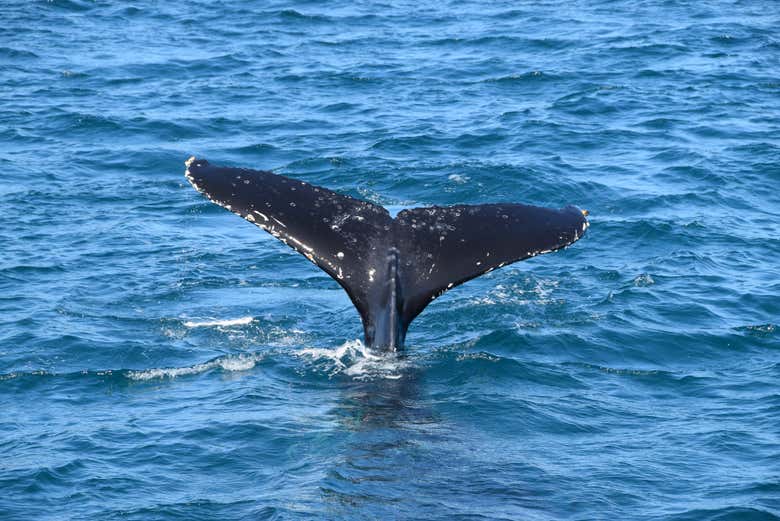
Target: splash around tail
(356,360)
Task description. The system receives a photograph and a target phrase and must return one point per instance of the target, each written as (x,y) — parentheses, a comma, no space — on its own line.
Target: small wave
(9,52)
(521,77)
(220,323)
(459,179)
(643,280)
(254,148)
(759,330)
(71,5)
(20,374)
(226,363)
(355,359)
(292,14)
(540,292)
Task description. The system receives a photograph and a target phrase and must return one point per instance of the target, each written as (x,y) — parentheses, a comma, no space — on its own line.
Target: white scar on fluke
(391,267)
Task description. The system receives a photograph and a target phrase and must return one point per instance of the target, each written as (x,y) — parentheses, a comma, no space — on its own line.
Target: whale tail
(397,264)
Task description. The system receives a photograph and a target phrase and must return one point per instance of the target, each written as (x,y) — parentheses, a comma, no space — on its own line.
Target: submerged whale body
(391,268)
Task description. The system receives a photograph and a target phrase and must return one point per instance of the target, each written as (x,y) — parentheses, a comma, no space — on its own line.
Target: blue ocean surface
(162,359)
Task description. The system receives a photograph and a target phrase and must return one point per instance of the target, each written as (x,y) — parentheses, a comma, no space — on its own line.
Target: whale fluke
(390,268)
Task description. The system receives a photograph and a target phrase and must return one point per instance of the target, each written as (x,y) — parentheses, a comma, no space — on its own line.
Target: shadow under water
(391,431)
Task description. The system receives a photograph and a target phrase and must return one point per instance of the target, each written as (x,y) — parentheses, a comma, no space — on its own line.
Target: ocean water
(162,359)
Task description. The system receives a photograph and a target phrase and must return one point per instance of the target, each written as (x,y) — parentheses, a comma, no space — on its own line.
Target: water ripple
(161,359)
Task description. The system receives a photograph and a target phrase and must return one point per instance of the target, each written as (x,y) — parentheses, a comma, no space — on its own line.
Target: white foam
(226,363)
(220,323)
(459,178)
(645,279)
(541,293)
(354,359)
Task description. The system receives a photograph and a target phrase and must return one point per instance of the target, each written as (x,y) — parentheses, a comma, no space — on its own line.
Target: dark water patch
(531,77)
(339,107)
(649,50)
(733,513)
(116,82)
(17,54)
(475,366)
(586,105)
(130,12)
(663,123)
(729,40)
(295,15)
(75,6)
(657,73)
